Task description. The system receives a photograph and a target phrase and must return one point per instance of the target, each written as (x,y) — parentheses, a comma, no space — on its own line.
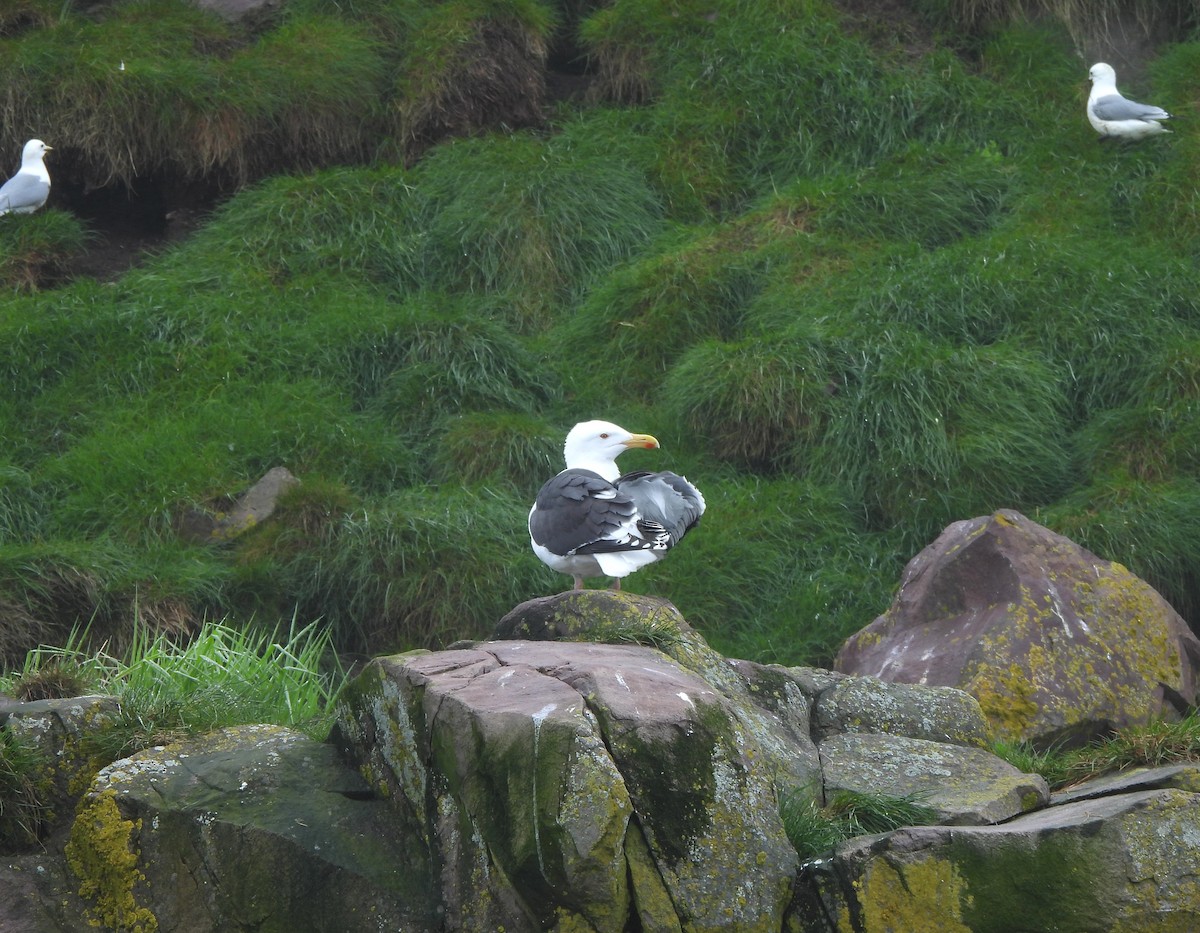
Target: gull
(27,190)
(589,521)
(1113,115)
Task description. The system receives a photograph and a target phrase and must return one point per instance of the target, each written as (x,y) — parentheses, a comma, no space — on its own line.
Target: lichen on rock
(103,853)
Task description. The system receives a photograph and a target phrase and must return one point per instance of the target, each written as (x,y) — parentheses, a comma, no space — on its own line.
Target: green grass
(23,808)
(861,286)
(36,250)
(813,829)
(423,567)
(194,96)
(224,675)
(1153,745)
(538,221)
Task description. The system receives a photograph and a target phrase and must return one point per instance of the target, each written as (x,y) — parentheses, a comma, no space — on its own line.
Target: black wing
(580,512)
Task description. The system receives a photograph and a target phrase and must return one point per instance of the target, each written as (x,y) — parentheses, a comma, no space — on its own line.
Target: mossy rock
(538,762)
(1122,863)
(255,822)
(1056,643)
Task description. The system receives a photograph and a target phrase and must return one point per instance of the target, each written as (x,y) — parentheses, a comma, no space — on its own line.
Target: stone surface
(966,786)
(1056,644)
(866,704)
(254,827)
(597,781)
(57,731)
(1125,863)
(1184,776)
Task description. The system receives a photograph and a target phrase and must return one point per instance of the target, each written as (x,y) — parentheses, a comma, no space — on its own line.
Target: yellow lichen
(928,895)
(102,854)
(1006,698)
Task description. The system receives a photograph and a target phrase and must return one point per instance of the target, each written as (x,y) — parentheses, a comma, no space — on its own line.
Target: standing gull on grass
(1113,115)
(27,190)
(589,521)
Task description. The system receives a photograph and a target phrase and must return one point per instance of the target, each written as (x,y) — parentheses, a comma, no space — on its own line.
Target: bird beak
(641,440)
(48,148)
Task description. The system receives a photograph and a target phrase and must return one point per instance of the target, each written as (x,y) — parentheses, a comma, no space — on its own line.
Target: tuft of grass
(694,284)
(931,195)
(36,250)
(754,402)
(654,632)
(1158,743)
(61,677)
(469,66)
(363,221)
(747,98)
(193,98)
(511,449)
(23,805)
(1094,25)
(225,675)
(814,830)
(454,355)
(538,221)
(424,568)
(927,433)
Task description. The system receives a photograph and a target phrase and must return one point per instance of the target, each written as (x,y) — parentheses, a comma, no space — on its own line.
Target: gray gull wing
(23,193)
(665,500)
(1115,107)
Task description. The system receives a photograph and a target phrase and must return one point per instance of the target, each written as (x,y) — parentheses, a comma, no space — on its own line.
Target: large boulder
(576,784)
(255,827)
(1057,644)
(1123,862)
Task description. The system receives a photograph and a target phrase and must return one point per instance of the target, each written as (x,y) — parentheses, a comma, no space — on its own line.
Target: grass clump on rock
(1156,744)
(813,829)
(225,675)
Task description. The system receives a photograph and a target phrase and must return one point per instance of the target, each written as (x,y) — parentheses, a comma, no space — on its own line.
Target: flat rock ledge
(546,780)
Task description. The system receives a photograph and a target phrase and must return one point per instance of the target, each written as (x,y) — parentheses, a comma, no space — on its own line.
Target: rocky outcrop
(548,781)
(1057,644)
(1124,862)
(589,786)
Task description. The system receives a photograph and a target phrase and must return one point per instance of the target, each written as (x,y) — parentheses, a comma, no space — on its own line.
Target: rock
(241,11)
(255,506)
(38,895)
(866,704)
(1058,645)
(575,786)
(56,730)
(1127,862)
(966,786)
(1181,776)
(588,782)
(251,827)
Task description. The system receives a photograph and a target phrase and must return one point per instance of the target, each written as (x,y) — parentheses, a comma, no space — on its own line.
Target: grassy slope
(857,295)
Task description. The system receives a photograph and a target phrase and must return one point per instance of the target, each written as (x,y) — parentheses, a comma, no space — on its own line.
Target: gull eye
(603,436)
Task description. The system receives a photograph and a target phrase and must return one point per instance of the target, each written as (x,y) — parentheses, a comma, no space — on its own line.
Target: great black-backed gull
(1113,115)
(590,521)
(27,190)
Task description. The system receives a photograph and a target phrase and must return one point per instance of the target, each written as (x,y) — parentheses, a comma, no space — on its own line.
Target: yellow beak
(642,440)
